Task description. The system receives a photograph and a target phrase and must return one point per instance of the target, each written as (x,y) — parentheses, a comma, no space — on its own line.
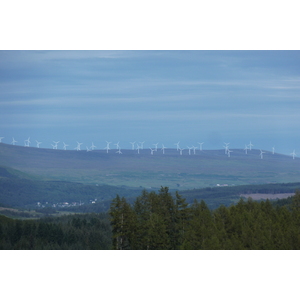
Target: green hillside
(204,169)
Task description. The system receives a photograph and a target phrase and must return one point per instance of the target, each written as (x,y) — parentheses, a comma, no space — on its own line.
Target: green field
(205,168)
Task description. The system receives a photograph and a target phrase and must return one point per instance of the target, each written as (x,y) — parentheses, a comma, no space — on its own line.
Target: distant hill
(16,190)
(207,168)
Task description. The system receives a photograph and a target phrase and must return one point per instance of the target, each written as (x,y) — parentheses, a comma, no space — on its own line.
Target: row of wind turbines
(140,146)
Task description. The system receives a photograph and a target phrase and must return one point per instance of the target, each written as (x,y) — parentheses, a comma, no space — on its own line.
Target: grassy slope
(206,168)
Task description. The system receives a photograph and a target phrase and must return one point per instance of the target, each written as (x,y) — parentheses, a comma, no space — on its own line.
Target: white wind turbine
(190,148)
(119,151)
(152,150)
(177,145)
(55,146)
(93,146)
(228,152)
(142,145)
(88,149)
(118,146)
(1,138)
(14,141)
(194,149)
(107,146)
(138,148)
(261,154)
(38,144)
(156,145)
(65,146)
(293,154)
(226,147)
(250,145)
(163,148)
(200,147)
(246,148)
(132,144)
(78,146)
(27,142)
(181,150)
(273,150)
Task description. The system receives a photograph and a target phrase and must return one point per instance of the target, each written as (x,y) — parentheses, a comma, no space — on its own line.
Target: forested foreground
(160,221)
(73,232)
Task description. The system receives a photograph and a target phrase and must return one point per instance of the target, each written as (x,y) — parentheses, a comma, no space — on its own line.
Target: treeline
(73,232)
(161,221)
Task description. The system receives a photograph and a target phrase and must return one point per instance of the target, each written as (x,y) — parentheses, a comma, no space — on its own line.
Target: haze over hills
(202,169)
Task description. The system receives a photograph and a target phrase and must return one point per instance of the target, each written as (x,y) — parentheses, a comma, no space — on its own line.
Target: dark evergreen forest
(162,221)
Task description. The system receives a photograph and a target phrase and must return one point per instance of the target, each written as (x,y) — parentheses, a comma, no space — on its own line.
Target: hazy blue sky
(152,96)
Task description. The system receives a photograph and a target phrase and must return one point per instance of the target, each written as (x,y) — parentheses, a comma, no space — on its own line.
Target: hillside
(205,168)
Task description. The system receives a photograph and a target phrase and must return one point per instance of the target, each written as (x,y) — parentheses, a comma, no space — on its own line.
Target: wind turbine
(152,150)
(1,138)
(118,146)
(14,141)
(138,148)
(246,148)
(194,148)
(142,145)
(38,144)
(119,151)
(65,146)
(163,148)
(93,146)
(200,147)
(228,152)
(181,150)
(190,148)
(132,143)
(155,146)
(88,149)
(27,142)
(177,145)
(293,154)
(78,146)
(226,147)
(261,154)
(273,150)
(56,143)
(107,146)
(250,145)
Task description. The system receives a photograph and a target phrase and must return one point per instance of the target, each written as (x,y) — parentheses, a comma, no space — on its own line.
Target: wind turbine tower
(163,148)
(273,150)
(65,146)
(293,154)
(27,142)
(226,147)
(181,150)
(38,144)
(107,146)
(78,146)
(246,148)
(261,154)
(177,145)
(142,145)
(200,147)
(132,144)
(250,146)
(93,146)
(190,148)
(55,146)
(228,152)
